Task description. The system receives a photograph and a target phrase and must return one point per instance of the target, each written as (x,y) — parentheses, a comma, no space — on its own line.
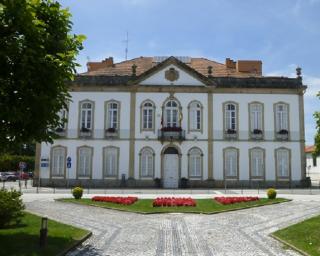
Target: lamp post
(43,232)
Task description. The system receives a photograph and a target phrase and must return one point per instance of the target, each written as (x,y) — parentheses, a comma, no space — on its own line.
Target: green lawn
(304,235)
(23,239)
(206,206)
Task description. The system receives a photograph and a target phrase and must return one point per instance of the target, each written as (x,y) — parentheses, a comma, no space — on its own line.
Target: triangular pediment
(172,72)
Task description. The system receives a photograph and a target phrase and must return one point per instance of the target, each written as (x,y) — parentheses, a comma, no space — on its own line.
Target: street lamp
(43,232)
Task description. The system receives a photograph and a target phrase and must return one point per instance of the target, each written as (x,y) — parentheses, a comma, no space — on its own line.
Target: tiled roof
(309,149)
(145,63)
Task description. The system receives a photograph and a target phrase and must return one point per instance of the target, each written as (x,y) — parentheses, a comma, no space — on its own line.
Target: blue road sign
(68,159)
(69,165)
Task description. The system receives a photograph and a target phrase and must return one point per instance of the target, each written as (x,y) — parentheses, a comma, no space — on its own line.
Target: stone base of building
(133,183)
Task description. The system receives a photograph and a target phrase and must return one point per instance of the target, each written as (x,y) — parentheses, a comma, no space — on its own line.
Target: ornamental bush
(271,193)
(77,192)
(11,207)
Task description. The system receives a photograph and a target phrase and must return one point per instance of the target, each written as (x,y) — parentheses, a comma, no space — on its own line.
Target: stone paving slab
(244,232)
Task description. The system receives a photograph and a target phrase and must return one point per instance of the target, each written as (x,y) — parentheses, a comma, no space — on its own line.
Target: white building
(157,120)
(312,164)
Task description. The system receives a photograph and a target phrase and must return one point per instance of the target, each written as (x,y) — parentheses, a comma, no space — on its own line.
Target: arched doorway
(170,167)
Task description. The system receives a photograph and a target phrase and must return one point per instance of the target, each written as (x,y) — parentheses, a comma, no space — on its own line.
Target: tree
(37,60)
(317,137)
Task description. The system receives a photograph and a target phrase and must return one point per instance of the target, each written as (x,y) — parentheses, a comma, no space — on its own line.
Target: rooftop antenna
(127,44)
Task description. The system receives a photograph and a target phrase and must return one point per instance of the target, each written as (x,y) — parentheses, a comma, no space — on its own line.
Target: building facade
(312,164)
(178,121)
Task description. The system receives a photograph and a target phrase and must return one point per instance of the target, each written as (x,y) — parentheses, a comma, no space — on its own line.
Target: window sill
(110,178)
(57,177)
(84,178)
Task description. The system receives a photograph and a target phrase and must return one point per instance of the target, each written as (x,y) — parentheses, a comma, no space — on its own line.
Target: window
(147,162)
(86,118)
(283,162)
(195,116)
(231,163)
(112,115)
(256,116)
(195,162)
(147,116)
(257,162)
(230,116)
(111,155)
(84,161)
(171,114)
(281,118)
(58,161)
(63,119)
(314,160)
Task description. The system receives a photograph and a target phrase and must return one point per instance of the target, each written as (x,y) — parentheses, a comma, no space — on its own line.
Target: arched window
(86,115)
(195,162)
(283,163)
(58,161)
(85,161)
(281,117)
(146,162)
(147,116)
(171,114)
(257,163)
(231,163)
(111,161)
(112,120)
(230,118)
(256,117)
(195,116)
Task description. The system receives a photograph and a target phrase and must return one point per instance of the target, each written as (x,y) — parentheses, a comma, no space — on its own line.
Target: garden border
(289,245)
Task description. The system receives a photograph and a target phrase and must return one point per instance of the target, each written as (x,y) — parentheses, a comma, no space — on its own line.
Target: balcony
(230,134)
(282,135)
(85,133)
(111,133)
(256,134)
(61,132)
(171,134)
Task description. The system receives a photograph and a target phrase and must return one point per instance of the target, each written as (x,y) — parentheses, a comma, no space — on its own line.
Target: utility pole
(127,45)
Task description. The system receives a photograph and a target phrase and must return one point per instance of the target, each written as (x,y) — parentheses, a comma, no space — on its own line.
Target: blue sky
(283,34)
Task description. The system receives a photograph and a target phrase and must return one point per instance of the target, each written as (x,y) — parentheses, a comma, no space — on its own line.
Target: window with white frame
(195,116)
(58,161)
(282,117)
(113,115)
(110,161)
(230,116)
(257,162)
(147,162)
(171,113)
(195,162)
(63,114)
(231,162)
(84,161)
(256,116)
(86,118)
(147,116)
(283,162)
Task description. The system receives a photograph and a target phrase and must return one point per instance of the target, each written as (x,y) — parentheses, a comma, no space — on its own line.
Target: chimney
(230,63)
(253,67)
(92,66)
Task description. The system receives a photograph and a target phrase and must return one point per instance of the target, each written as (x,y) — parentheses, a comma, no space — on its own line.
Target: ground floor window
(111,163)
(231,163)
(283,162)
(257,162)
(58,161)
(85,161)
(195,162)
(146,162)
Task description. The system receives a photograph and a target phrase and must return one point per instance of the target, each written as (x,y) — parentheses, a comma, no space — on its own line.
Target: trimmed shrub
(11,162)
(77,192)
(11,207)
(271,193)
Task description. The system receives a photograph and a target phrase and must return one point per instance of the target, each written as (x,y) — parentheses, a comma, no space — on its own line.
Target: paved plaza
(244,232)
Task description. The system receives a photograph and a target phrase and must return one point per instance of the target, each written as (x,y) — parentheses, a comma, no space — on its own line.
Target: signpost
(22,166)
(44,163)
(68,169)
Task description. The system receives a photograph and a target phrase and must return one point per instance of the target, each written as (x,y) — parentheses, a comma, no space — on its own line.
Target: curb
(75,244)
(289,245)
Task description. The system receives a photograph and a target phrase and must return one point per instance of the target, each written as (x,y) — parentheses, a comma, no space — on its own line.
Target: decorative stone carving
(171,74)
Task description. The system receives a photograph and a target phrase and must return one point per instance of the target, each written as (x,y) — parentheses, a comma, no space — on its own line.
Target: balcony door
(171,168)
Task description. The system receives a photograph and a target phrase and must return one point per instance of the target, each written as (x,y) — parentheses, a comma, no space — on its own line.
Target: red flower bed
(173,201)
(233,200)
(115,199)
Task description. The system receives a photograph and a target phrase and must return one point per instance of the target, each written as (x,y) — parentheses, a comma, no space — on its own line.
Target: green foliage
(271,193)
(77,192)
(11,162)
(37,60)
(11,207)
(317,136)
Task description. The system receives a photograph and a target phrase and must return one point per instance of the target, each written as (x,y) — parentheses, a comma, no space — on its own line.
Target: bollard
(258,187)
(43,232)
(241,189)
(225,186)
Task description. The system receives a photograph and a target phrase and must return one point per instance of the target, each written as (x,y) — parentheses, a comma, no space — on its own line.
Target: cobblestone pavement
(244,232)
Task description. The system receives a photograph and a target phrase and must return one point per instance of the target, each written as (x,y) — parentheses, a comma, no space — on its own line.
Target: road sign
(68,159)
(22,165)
(69,165)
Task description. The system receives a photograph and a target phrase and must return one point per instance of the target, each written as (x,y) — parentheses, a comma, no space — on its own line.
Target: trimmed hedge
(11,162)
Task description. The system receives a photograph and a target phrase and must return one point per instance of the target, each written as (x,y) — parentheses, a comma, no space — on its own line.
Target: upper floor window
(86,115)
(257,163)
(256,117)
(231,163)
(112,115)
(111,161)
(195,162)
(195,114)
(230,117)
(283,162)
(282,117)
(63,115)
(146,162)
(147,115)
(171,114)
(58,156)
(85,161)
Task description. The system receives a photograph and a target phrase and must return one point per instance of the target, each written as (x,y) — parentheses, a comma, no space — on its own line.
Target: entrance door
(170,171)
